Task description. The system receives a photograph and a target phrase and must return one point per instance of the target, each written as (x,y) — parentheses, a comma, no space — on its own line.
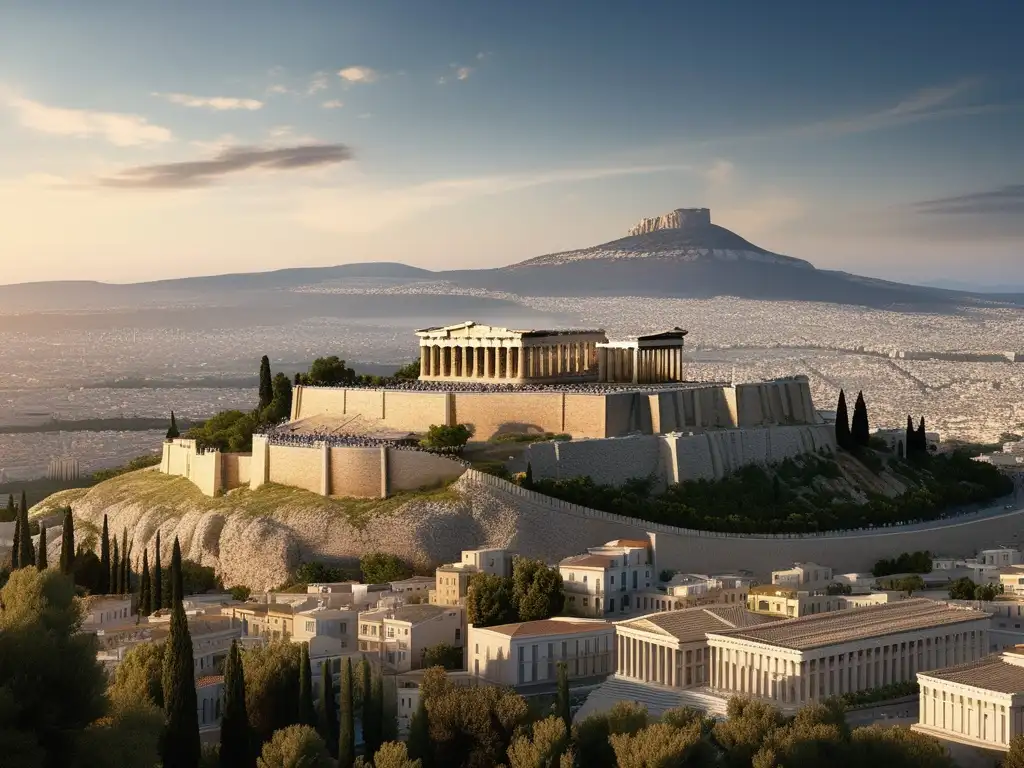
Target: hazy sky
(143,139)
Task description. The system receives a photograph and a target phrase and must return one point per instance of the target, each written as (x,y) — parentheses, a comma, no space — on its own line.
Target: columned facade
(660,659)
(653,359)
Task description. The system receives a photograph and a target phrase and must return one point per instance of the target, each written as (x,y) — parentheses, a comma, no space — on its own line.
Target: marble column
(424,361)
(488,358)
(466,370)
(602,364)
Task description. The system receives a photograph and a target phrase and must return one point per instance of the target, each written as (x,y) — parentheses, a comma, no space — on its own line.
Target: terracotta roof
(550,627)
(993,673)
(628,543)
(209,680)
(825,629)
(589,561)
(691,625)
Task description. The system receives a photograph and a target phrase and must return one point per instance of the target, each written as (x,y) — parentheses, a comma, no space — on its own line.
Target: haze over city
(148,140)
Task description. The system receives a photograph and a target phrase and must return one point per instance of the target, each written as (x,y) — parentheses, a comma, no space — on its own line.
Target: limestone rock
(680,218)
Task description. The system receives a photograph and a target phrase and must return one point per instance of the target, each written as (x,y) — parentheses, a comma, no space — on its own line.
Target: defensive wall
(674,457)
(562,529)
(360,471)
(687,407)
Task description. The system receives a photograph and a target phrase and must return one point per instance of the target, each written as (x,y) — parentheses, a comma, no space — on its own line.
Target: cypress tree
(859,428)
(266,383)
(103,587)
(307,714)
(922,438)
(181,735)
(16,545)
(145,593)
(327,711)
(235,743)
(377,695)
(115,570)
(842,422)
(24,503)
(67,543)
(910,441)
(157,585)
(298,378)
(41,563)
(528,478)
(172,429)
(419,744)
(11,513)
(346,726)
(26,553)
(122,574)
(370,729)
(562,707)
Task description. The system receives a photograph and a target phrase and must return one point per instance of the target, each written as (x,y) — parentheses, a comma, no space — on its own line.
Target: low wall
(675,458)
(575,528)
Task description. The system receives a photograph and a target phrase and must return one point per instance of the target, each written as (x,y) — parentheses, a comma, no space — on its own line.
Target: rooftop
(550,627)
(825,629)
(691,625)
(992,673)
(588,561)
(209,680)
(414,614)
(628,543)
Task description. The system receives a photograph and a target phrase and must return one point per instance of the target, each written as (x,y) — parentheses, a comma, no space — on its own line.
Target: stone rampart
(675,458)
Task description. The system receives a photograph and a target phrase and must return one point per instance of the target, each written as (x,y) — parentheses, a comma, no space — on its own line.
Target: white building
(526,653)
(607,580)
(451,581)
(980,703)
(397,637)
(329,631)
(414,588)
(105,610)
(799,661)
(210,697)
(690,590)
(803,576)
(792,603)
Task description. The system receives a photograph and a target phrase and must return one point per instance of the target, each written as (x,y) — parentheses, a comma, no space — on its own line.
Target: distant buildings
(397,637)
(607,580)
(451,581)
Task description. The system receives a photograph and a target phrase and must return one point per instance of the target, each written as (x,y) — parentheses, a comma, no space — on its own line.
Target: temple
(484,353)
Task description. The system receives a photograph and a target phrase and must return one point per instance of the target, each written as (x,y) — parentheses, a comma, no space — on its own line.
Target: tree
(910,439)
(346,726)
(145,587)
(1015,756)
(444,436)
(897,747)
(172,429)
(922,437)
(16,543)
(307,714)
(843,437)
(910,584)
(380,568)
(538,595)
(115,570)
(280,407)
(41,563)
(272,688)
(228,431)
(489,600)
(195,578)
(123,576)
(442,655)
(420,748)
(962,589)
(235,739)
(181,740)
(329,372)
(297,746)
(67,543)
(562,705)
(987,592)
(266,390)
(408,371)
(860,430)
(662,744)
(139,676)
(394,754)
(528,477)
(86,570)
(363,693)
(10,514)
(127,737)
(327,712)
(591,735)
(104,584)
(26,552)
(543,748)
(158,577)
(375,737)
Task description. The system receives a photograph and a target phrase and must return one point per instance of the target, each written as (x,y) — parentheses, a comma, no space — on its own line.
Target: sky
(141,139)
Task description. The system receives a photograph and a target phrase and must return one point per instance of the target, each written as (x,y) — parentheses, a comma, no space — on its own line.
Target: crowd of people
(320,436)
(582,388)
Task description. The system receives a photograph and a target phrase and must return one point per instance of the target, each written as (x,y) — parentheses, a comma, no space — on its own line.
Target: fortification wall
(205,472)
(584,415)
(415,411)
(675,458)
(355,471)
(259,469)
(495,413)
(296,466)
(412,470)
(235,469)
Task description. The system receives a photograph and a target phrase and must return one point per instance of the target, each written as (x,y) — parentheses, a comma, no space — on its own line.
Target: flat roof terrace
(582,388)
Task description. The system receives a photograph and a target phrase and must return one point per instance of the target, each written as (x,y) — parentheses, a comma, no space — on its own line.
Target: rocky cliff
(681,218)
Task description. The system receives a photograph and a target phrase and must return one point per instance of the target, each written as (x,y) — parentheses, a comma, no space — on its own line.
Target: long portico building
(800,661)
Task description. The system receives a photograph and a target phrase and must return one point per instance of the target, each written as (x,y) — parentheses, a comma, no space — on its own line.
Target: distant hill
(679,254)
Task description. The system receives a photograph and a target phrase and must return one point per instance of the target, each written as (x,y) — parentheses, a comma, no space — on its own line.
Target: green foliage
(1015,756)
(196,579)
(139,675)
(346,724)
(420,747)
(489,601)
(240,592)
(172,428)
(380,568)
(235,737)
(882,693)
(838,589)
(860,430)
(307,713)
(140,462)
(103,587)
(87,571)
(297,746)
(10,513)
(41,563)
(51,686)
(897,747)
(266,388)
(563,706)
(67,543)
(228,431)
(528,437)
(662,744)
(394,754)
(181,738)
(908,584)
(145,587)
(26,552)
(843,436)
(128,737)
(442,655)
(327,712)
(160,598)
(536,589)
(591,735)
(329,372)
(543,747)
(962,589)
(906,562)
(408,371)
(280,406)
(316,572)
(442,436)
(271,687)
(373,710)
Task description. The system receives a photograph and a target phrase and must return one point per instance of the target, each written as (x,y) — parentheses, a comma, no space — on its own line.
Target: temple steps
(657,698)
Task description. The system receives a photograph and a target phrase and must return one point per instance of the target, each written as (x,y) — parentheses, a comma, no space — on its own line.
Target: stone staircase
(657,698)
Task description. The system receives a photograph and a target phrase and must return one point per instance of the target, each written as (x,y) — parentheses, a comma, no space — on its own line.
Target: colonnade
(797,678)
(569,359)
(951,709)
(620,362)
(652,662)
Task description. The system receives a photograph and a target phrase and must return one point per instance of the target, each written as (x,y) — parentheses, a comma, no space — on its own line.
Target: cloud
(368,210)
(457,73)
(232,160)
(333,104)
(120,129)
(217,103)
(359,74)
(720,173)
(1008,199)
(277,89)
(317,83)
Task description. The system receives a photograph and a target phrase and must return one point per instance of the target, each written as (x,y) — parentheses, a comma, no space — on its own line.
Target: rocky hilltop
(680,218)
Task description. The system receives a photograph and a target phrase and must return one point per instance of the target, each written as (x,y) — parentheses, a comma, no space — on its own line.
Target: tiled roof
(588,561)
(628,543)
(209,680)
(549,627)
(414,614)
(691,625)
(992,673)
(825,629)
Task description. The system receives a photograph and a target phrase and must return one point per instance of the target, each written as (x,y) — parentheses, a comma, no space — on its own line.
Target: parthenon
(471,352)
